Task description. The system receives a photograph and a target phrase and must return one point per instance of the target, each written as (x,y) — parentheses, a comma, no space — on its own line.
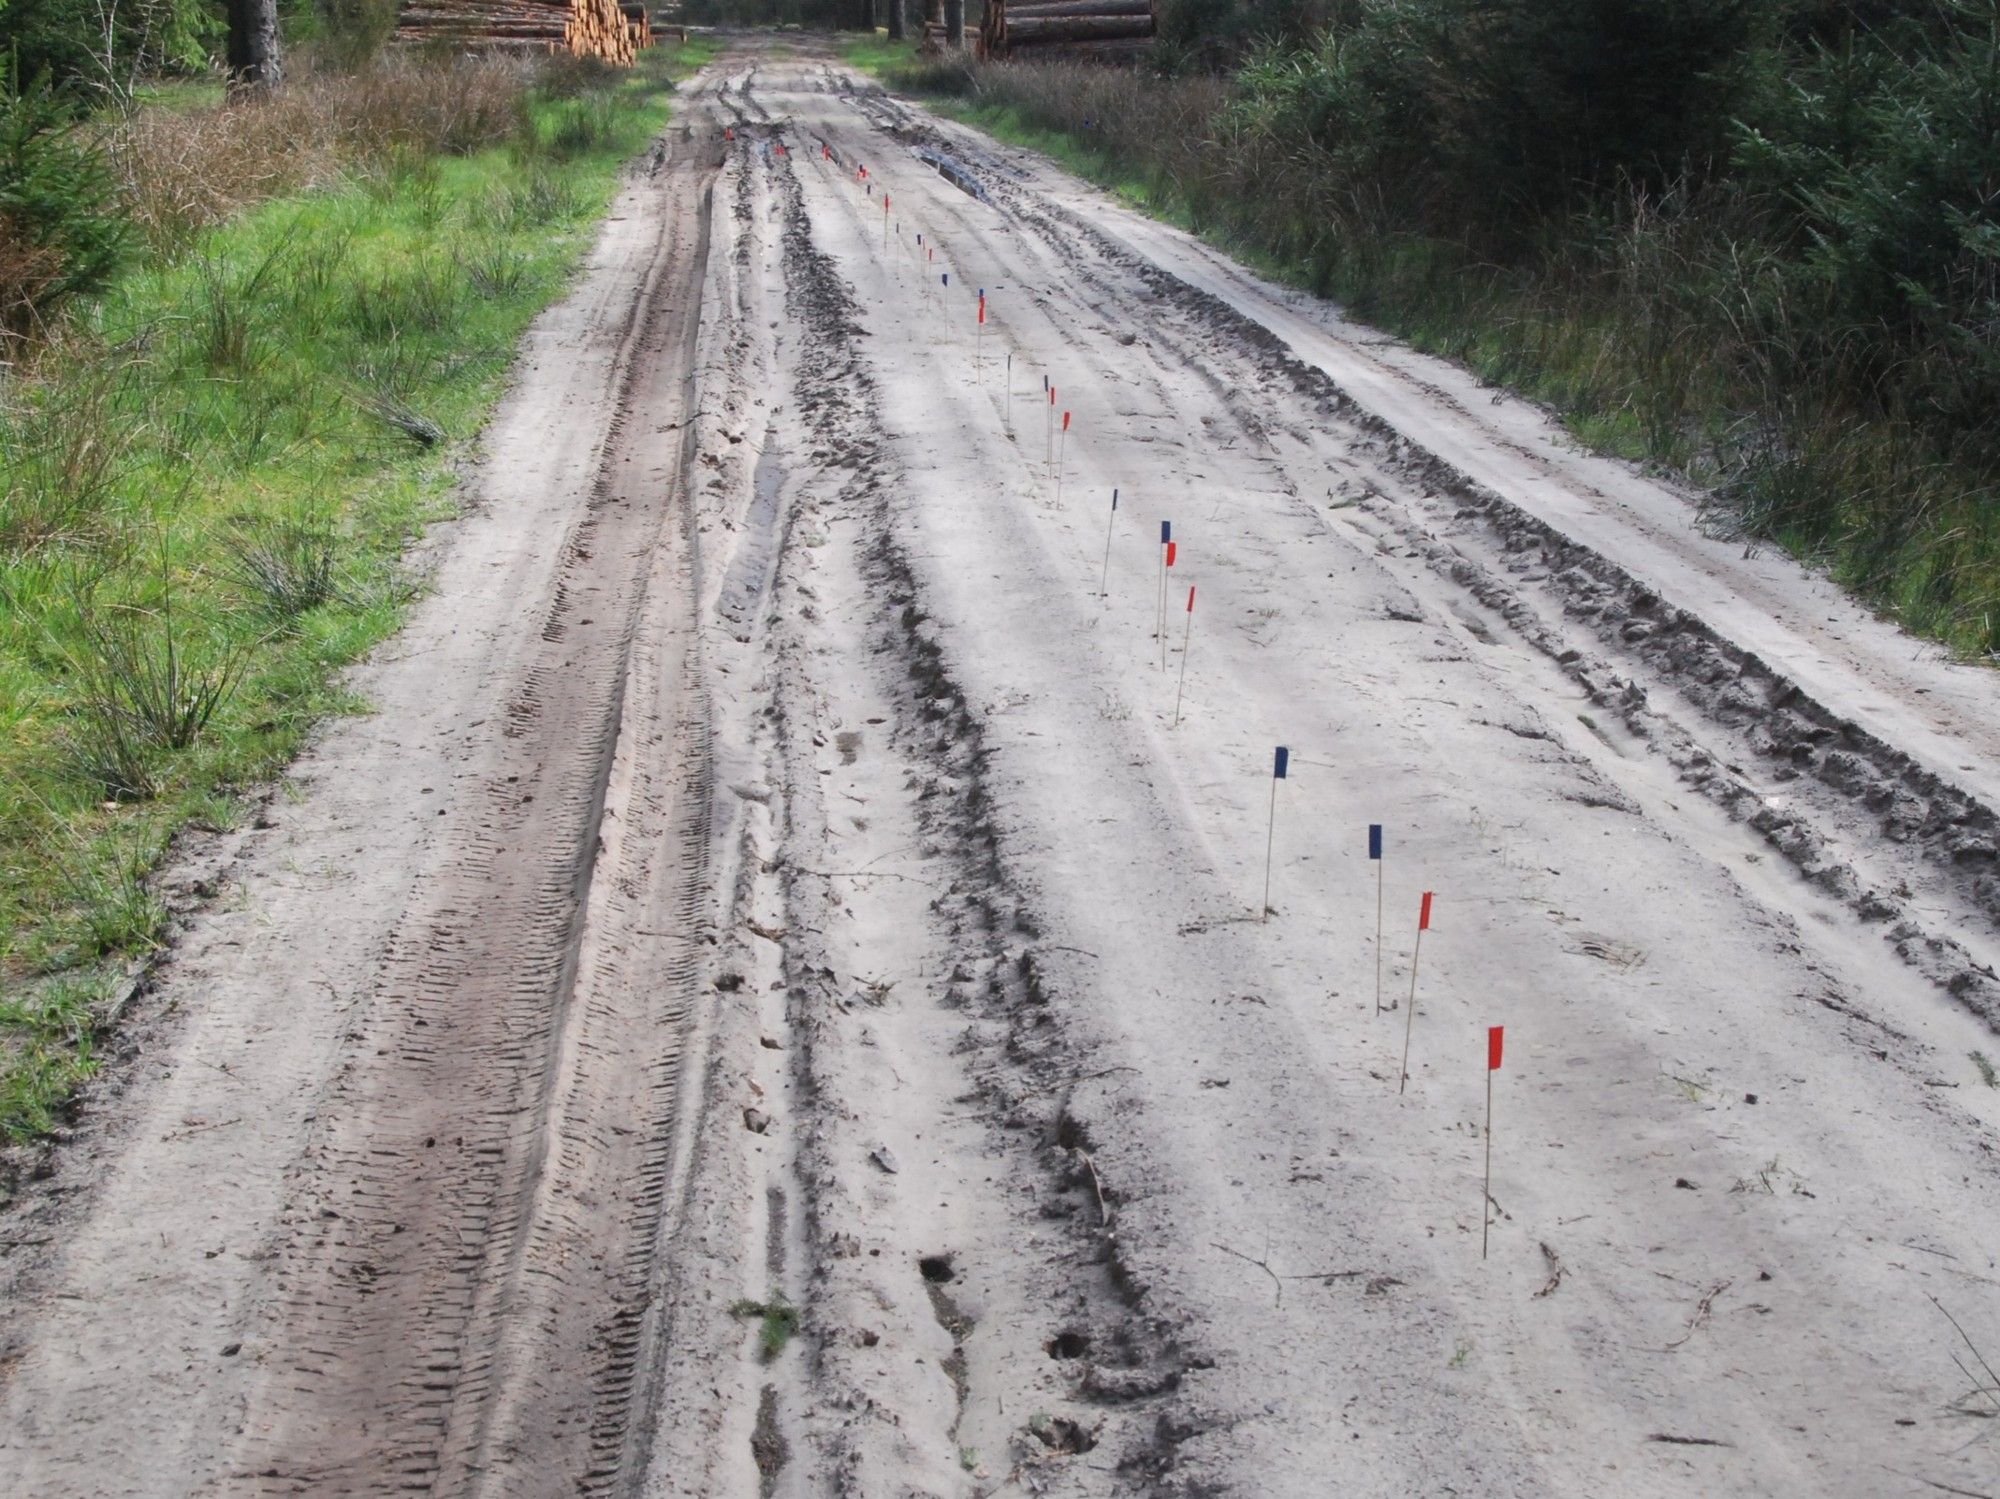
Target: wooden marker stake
(1166,538)
(1494,1038)
(1049,433)
(1410,1020)
(1375,857)
(1278,768)
(1187,634)
(1062,448)
(885,223)
(1166,567)
(979,338)
(1104,580)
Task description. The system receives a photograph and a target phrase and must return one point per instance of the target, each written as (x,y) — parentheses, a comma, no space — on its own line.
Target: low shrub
(184,171)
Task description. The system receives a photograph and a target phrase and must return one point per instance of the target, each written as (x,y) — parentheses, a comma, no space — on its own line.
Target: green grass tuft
(777,1321)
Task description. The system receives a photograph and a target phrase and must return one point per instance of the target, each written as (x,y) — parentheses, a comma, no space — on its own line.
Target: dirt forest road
(774,1001)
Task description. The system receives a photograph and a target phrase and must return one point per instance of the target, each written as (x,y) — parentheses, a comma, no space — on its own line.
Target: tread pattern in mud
(463,1299)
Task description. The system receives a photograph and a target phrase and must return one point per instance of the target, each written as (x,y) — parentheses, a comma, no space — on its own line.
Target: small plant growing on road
(778,1320)
(1986,1073)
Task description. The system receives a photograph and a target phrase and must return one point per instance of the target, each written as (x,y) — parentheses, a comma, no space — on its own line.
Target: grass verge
(208,482)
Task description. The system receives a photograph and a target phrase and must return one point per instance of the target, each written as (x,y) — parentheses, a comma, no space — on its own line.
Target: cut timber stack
(587,28)
(937,36)
(1068,30)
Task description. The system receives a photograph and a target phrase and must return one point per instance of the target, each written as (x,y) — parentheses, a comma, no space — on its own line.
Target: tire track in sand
(464,1301)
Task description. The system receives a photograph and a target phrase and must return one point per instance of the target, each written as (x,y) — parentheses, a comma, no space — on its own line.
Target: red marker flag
(1424,914)
(1190,604)
(1486,1200)
(1065,421)
(1172,548)
(982,309)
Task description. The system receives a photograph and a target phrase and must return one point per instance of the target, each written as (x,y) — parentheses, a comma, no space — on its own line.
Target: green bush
(83,45)
(60,232)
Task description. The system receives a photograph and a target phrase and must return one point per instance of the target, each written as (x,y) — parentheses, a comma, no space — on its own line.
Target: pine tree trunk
(895,8)
(954,22)
(253,44)
(864,15)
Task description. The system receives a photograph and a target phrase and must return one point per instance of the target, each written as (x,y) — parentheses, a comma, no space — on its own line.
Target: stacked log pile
(588,28)
(639,24)
(1068,30)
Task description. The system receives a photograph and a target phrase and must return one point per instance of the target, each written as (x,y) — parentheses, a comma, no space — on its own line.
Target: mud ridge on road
(1884,790)
(1019,1068)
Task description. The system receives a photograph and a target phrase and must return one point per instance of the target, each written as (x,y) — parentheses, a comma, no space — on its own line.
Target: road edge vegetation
(1802,323)
(216,456)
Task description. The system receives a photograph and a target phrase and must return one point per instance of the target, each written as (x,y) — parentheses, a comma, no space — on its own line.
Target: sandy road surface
(775,875)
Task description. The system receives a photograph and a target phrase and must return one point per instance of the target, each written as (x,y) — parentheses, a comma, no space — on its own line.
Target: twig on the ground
(1701,1310)
(1264,1264)
(1942,1488)
(195,1129)
(1555,1272)
(1103,1212)
(1990,1390)
(1278,1280)
(1071,1082)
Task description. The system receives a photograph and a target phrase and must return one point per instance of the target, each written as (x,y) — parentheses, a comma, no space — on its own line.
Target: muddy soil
(780,998)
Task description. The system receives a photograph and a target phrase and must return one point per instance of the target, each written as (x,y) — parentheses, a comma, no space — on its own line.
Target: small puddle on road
(953,171)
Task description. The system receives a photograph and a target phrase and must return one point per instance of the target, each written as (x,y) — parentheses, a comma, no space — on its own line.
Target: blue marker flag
(1374,840)
(947,278)
(1284,759)
(1166,532)
(1114,499)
